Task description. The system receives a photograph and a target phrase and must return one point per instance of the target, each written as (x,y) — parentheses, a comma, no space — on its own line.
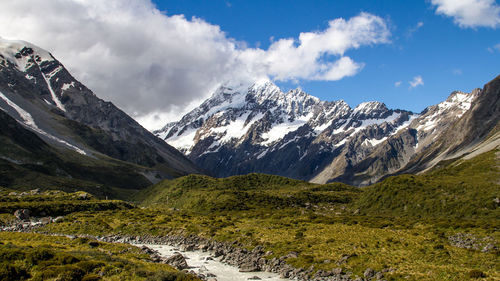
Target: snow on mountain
(260,128)
(401,150)
(39,93)
(248,130)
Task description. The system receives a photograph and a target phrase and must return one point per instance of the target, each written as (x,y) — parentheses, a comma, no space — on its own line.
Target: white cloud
(470,13)
(414,29)
(397,84)
(153,64)
(494,48)
(417,80)
(457,71)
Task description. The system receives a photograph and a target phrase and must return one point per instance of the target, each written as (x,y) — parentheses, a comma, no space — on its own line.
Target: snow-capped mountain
(293,134)
(262,129)
(38,92)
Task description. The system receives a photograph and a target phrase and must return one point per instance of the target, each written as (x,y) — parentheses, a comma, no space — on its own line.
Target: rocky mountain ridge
(262,129)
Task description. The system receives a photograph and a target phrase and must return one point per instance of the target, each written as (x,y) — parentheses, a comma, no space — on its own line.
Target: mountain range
(54,127)
(55,131)
(259,128)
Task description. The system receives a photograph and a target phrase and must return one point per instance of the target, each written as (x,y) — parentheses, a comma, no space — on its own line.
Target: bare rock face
(22,214)
(262,129)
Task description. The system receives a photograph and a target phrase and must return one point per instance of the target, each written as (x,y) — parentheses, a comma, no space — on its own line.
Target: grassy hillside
(252,191)
(455,189)
(55,202)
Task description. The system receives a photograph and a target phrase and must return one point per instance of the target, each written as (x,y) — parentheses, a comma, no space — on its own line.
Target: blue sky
(447,57)
(157,60)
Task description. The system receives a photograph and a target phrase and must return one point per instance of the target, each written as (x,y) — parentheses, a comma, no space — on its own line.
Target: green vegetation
(460,189)
(400,225)
(253,191)
(28,256)
(55,203)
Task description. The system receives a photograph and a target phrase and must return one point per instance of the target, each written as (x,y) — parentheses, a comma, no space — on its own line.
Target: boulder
(248,267)
(22,214)
(369,273)
(177,260)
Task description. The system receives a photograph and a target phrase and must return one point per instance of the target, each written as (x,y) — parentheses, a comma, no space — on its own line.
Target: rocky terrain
(262,129)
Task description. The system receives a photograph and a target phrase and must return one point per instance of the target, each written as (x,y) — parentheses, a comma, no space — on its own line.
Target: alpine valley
(265,185)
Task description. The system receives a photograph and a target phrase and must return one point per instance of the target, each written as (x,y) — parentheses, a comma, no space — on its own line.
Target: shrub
(10,272)
(89,266)
(476,274)
(62,273)
(39,255)
(7,254)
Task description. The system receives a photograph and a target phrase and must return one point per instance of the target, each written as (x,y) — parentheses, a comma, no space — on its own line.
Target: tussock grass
(28,256)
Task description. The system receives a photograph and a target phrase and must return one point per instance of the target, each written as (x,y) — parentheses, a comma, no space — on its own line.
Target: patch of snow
(366,123)
(288,142)
(321,128)
(27,119)
(53,72)
(341,128)
(235,129)
(237,100)
(52,93)
(405,124)
(263,153)
(163,133)
(215,145)
(374,121)
(66,86)
(340,143)
(9,49)
(279,131)
(29,122)
(184,141)
(303,156)
(373,142)
(367,107)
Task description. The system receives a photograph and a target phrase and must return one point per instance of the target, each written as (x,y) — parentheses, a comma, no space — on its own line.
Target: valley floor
(443,225)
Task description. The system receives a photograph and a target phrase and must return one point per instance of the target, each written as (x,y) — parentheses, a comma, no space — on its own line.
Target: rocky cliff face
(262,129)
(38,91)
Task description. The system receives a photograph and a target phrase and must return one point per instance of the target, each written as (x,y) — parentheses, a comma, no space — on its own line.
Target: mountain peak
(22,53)
(370,109)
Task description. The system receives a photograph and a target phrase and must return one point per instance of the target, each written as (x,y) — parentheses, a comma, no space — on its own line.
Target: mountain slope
(463,126)
(37,91)
(475,132)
